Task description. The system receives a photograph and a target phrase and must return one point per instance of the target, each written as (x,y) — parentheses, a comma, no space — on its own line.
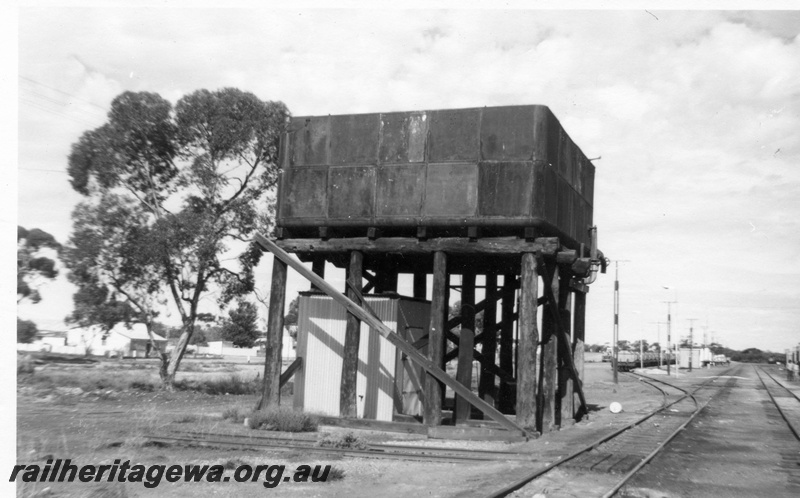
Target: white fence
(227,351)
(51,348)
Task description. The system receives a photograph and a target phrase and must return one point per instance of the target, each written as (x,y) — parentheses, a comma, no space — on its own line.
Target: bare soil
(98,426)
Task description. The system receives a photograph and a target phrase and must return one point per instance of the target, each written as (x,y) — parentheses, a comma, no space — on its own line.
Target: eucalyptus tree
(33,265)
(241,326)
(172,198)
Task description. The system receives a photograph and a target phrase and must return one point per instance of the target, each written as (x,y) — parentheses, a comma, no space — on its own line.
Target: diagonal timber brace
(397,341)
(563,336)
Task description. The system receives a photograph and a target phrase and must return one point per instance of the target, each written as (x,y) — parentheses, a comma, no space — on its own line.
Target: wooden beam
(390,335)
(486,385)
(348,400)
(579,338)
(318,267)
(453,353)
(456,320)
(565,383)
(420,285)
(566,257)
(290,370)
(466,343)
(271,392)
(528,342)
(506,396)
(434,392)
(484,361)
(409,245)
(548,379)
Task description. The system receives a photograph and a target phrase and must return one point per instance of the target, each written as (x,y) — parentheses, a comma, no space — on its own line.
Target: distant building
(127,340)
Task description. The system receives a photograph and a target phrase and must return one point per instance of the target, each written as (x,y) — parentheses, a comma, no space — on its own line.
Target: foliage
(170,193)
(26,331)
(283,419)
(32,265)
(231,384)
(753,355)
(347,440)
(291,316)
(241,327)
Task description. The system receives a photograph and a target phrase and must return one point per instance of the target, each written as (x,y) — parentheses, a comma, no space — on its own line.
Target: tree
(241,327)
(26,331)
(112,264)
(197,181)
(291,315)
(595,348)
(32,264)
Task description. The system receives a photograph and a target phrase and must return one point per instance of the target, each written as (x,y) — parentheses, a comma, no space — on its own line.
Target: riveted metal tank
(500,168)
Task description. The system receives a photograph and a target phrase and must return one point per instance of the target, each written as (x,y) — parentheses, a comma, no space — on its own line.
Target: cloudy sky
(695,115)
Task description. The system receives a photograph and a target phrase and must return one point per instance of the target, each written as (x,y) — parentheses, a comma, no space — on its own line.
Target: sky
(693,114)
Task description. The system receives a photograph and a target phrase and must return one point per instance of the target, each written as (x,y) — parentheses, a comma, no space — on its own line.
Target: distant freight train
(628,360)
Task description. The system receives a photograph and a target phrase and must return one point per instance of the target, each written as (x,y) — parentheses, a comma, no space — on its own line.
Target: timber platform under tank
(500,169)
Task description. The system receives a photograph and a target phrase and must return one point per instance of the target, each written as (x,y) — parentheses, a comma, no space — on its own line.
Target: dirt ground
(98,427)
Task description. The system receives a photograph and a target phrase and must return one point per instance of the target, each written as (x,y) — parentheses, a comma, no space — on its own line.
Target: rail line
(311,445)
(789,404)
(630,448)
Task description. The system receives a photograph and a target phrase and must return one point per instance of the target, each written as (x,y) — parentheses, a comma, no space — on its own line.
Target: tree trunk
(177,354)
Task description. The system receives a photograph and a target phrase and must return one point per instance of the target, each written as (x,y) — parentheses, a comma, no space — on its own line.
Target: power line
(56,112)
(31,80)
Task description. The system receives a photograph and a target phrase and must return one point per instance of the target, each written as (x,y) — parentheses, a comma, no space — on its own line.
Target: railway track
(311,445)
(786,400)
(627,450)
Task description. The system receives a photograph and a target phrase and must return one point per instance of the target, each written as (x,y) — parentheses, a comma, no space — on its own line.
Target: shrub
(232,384)
(233,414)
(346,441)
(335,474)
(283,419)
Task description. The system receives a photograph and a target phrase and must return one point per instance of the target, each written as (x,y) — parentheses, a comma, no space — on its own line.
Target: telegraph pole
(615,356)
(691,341)
(669,330)
(660,348)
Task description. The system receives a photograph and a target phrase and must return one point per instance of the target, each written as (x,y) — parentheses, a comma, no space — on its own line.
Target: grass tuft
(234,414)
(335,474)
(345,441)
(231,384)
(282,419)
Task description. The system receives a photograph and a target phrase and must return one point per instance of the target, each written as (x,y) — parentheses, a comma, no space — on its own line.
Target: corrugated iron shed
(382,385)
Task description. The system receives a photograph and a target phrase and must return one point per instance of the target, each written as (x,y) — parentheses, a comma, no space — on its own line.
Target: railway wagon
(628,360)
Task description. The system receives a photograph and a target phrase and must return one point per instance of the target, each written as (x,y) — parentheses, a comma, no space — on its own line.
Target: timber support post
(528,342)
(465,345)
(348,406)
(271,393)
(566,404)
(579,338)
(548,381)
(486,385)
(434,392)
(507,395)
